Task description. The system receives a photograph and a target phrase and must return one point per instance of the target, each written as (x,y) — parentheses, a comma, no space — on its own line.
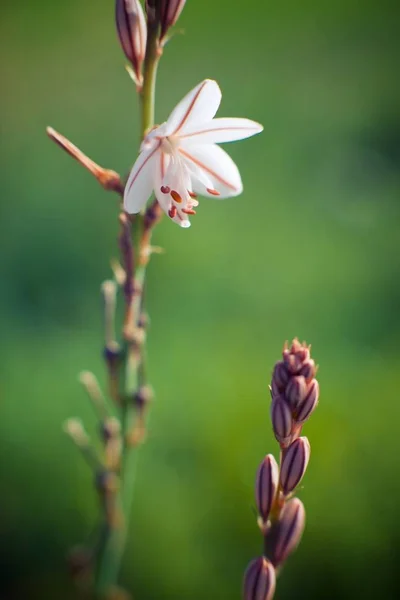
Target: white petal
(221,130)
(217,165)
(141,179)
(198,106)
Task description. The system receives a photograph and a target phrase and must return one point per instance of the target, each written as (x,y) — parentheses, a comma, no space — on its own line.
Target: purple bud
(291,362)
(296,391)
(308,370)
(132,33)
(170,12)
(281,418)
(267,482)
(296,356)
(294,464)
(280,376)
(259,580)
(286,533)
(309,404)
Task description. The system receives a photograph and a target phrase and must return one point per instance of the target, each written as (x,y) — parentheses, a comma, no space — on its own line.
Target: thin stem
(153,53)
(114,544)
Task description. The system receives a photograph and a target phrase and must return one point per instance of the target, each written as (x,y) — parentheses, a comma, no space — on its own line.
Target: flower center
(169,145)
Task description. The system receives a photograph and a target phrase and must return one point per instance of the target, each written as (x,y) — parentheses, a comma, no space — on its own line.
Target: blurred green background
(311,249)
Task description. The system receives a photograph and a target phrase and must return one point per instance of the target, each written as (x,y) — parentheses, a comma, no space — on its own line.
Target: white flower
(180,158)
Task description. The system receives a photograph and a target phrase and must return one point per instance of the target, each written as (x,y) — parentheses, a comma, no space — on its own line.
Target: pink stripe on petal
(189,109)
(142,166)
(207,169)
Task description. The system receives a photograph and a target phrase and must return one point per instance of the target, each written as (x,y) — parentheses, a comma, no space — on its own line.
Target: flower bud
(296,355)
(296,391)
(286,533)
(132,33)
(280,377)
(259,580)
(308,370)
(267,482)
(294,464)
(281,418)
(309,404)
(110,428)
(170,12)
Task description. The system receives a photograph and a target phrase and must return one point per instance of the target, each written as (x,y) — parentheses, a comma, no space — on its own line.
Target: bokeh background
(311,249)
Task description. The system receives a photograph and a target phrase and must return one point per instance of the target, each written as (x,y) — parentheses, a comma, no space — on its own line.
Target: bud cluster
(133,27)
(295,392)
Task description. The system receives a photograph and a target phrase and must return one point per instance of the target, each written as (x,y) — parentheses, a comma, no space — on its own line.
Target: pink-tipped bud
(169,14)
(309,404)
(294,464)
(132,33)
(259,580)
(267,482)
(296,391)
(308,370)
(280,377)
(295,356)
(286,533)
(282,421)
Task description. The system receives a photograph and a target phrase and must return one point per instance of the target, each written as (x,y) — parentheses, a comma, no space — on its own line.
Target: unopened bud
(132,33)
(302,351)
(267,482)
(309,404)
(296,355)
(308,370)
(280,377)
(110,428)
(285,534)
(281,418)
(170,12)
(294,464)
(259,580)
(143,396)
(112,353)
(296,391)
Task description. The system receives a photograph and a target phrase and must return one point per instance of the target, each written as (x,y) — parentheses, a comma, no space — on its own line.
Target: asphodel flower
(180,159)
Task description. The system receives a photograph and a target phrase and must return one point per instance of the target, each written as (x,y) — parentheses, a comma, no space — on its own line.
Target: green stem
(112,552)
(149,79)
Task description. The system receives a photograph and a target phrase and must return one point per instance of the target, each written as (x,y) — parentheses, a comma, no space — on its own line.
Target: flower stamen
(165,189)
(176,197)
(213,192)
(172,212)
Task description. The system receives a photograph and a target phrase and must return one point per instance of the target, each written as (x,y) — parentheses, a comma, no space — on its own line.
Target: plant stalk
(110,556)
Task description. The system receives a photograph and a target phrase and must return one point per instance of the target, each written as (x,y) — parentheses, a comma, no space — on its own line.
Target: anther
(165,189)
(172,212)
(192,194)
(213,192)
(188,211)
(176,197)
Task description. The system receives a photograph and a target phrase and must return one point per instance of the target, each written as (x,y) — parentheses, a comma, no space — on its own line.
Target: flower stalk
(281,520)
(135,241)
